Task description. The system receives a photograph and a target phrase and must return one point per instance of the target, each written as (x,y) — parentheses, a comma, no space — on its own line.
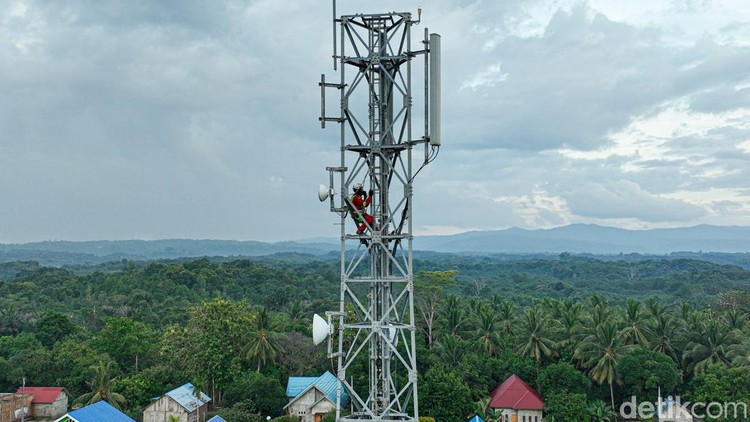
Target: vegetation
(586,333)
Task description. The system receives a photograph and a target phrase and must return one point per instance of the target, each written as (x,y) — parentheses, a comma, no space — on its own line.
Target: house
(517,401)
(98,412)
(48,403)
(12,406)
(181,402)
(311,398)
(476,418)
(216,419)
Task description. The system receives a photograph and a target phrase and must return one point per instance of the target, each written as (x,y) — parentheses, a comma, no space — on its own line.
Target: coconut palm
(263,345)
(101,386)
(735,319)
(451,351)
(636,324)
(600,411)
(740,354)
(533,333)
(599,353)
(665,332)
(487,333)
(655,307)
(709,345)
(454,317)
(483,410)
(506,313)
(571,320)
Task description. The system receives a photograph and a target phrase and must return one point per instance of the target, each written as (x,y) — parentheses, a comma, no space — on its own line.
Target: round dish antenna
(323,193)
(320,329)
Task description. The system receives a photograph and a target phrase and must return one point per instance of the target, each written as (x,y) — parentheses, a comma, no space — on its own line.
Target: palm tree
(101,386)
(636,327)
(600,411)
(600,311)
(451,351)
(264,344)
(297,311)
(655,307)
(483,410)
(10,321)
(741,355)
(197,389)
(453,317)
(571,319)
(735,319)
(600,351)
(487,333)
(710,345)
(506,312)
(534,341)
(666,331)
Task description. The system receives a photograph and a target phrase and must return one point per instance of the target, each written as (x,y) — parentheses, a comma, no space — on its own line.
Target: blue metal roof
(99,412)
(476,418)
(326,383)
(216,419)
(296,385)
(185,397)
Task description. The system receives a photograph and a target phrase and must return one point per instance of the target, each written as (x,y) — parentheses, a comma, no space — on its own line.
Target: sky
(138,119)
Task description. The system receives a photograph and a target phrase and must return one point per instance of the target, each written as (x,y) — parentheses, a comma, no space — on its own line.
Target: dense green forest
(587,333)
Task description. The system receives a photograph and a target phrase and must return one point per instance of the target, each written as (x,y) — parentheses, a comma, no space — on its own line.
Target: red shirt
(360,203)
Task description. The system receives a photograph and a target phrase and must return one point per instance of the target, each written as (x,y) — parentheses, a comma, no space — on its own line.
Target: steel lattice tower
(373,332)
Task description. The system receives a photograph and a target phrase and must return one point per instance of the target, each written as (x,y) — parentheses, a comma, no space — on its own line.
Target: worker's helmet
(357,186)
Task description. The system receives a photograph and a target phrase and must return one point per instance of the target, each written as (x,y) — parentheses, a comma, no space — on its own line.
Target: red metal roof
(515,394)
(42,394)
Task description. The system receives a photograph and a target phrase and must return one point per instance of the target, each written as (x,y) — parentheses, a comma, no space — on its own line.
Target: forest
(587,333)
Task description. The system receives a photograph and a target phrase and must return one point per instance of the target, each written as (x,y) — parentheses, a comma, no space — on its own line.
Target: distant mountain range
(589,238)
(576,238)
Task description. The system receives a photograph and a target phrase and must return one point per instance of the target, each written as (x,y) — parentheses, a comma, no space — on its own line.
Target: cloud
(184,119)
(625,199)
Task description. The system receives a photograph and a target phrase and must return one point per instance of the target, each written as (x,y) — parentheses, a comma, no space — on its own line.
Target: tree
(266,395)
(643,372)
(564,406)
(453,316)
(711,344)
(666,331)
(451,350)
(101,386)
(444,396)
(53,327)
(125,340)
(483,410)
(599,352)
(429,290)
(562,377)
(209,347)
(533,333)
(263,342)
(487,333)
(599,411)
(718,383)
(636,327)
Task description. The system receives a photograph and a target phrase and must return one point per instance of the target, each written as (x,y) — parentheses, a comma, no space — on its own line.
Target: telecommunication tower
(372,334)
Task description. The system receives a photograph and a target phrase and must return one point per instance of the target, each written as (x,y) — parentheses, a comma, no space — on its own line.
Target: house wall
(51,410)
(9,403)
(323,407)
(162,409)
(302,406)
(511,415)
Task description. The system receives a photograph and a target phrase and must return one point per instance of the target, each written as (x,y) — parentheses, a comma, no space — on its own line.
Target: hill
(576,238)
